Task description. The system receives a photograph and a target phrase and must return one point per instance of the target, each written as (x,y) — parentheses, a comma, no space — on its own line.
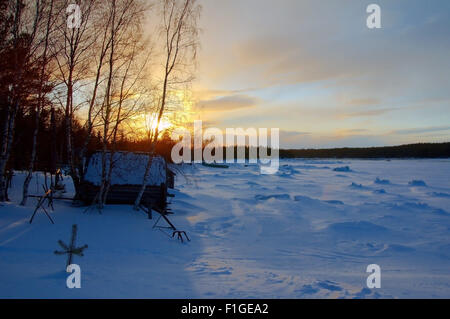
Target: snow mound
(409,206)
(332,289)
(306,200)
(418,183)
(360,228)
(440,211)
(437,194)
(324,162)
(329,285)
(382,181)
(342,169)
(397,248)
(312,167)
(287,171)
(275,196)
(334,202)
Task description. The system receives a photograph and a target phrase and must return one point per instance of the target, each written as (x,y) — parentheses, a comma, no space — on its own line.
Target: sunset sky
(314,70)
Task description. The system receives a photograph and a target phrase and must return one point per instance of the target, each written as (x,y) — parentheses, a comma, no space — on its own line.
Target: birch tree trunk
(126,18)
(6,150)
(73,63)
(16,87)
(41,96)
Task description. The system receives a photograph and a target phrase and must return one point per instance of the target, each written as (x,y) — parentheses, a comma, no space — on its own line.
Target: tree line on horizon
(51,152)
(418,150)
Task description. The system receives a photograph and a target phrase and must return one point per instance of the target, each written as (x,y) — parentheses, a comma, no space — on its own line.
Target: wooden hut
(126,179)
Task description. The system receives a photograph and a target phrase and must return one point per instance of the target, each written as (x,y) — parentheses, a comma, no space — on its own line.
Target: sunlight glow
(179,113)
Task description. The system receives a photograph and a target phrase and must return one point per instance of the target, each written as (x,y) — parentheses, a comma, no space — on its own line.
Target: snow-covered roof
(128,169)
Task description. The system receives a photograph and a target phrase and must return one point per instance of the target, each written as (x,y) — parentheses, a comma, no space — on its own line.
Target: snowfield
(310,231)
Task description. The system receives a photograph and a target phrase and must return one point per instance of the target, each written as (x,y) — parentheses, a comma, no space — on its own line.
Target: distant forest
(420,150)
(51,144)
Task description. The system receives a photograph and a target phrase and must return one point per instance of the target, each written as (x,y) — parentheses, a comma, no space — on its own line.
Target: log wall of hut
(126,194)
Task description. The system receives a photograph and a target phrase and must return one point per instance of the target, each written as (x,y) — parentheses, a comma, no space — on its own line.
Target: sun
(179,113)
(152,123)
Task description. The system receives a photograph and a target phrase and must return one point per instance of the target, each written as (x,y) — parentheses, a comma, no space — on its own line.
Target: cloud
(363,101)
(310,41)
(227,103)
(291,140)
(317,68)
(366,113)
(422,130)
(354,131)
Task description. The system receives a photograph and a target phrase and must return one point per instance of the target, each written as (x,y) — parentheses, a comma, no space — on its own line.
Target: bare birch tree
(128,104)
(49,12)
(125,32)
(180,42)
(100,50)
(73,62)
(19,29)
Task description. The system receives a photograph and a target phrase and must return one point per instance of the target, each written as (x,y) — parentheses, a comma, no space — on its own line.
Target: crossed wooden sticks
(71,250)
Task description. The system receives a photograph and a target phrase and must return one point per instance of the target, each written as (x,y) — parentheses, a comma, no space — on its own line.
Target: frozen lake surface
(309,231)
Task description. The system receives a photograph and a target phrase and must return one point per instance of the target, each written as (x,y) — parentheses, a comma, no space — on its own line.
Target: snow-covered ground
(309,231)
